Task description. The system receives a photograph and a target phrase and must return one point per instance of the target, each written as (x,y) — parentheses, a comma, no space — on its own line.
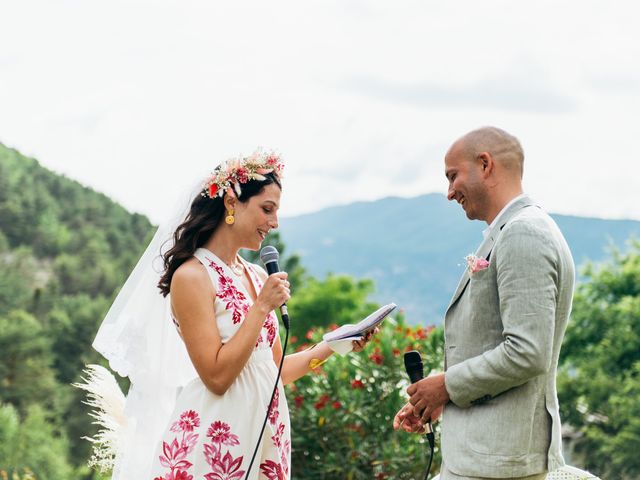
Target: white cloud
(138,98)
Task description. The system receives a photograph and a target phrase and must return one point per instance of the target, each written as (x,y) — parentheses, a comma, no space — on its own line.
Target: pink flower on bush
(336,405)
(299,401)
(322,401)
(357,384)
(376,357)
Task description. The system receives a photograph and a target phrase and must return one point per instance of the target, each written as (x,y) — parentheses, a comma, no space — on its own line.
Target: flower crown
(228,176)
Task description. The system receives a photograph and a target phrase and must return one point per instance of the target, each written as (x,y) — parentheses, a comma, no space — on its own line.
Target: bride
(202,353)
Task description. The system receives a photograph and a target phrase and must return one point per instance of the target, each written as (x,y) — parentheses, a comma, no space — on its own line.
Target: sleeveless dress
(211,436)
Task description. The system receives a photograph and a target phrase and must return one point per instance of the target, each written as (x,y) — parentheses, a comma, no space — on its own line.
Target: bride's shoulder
(191,273)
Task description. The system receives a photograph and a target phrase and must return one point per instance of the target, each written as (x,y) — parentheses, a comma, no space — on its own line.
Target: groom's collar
(485,248)
(487,231)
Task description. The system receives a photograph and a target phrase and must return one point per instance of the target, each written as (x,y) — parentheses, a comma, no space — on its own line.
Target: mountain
(414,248)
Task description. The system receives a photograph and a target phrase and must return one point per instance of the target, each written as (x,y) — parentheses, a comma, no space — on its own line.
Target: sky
(141,99)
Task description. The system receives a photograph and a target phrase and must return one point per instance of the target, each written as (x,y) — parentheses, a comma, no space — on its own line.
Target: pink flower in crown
(476,264)
(242,174)
(220,432)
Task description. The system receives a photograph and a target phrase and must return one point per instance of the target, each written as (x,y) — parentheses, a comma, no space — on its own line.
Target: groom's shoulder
(532,224)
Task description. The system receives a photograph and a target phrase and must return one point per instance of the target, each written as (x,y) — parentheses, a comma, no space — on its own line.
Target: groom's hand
(407,421)
(428,396)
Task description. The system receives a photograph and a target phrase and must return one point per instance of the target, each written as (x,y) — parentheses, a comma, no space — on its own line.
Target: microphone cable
(415,370)
(431,438)
(273,394)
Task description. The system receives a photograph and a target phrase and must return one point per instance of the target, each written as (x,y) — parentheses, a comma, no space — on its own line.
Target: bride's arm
(298,364)
(192,295)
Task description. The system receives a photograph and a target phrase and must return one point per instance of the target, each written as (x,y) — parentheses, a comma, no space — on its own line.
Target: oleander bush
(341,416)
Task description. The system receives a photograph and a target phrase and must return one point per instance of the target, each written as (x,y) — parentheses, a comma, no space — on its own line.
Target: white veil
(140,341)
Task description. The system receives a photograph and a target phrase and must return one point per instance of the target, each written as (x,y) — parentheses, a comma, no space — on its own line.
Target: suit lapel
(485,248)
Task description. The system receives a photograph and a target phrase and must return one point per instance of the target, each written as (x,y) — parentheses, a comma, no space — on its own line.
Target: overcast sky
(139,98)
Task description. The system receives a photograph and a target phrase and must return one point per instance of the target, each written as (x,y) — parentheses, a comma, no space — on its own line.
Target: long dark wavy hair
(205,214)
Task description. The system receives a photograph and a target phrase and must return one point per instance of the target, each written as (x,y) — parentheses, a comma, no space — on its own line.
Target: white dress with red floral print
(212,437)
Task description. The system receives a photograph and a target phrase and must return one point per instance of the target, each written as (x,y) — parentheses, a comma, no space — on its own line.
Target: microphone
(413,365)
(269,256)
(415,370)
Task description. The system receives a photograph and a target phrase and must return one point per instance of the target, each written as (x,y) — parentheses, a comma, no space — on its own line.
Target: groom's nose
(451,193)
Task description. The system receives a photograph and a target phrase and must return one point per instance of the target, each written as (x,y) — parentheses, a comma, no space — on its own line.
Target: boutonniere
(476,264)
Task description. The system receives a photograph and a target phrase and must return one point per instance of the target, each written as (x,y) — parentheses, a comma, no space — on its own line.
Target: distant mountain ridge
(414,248)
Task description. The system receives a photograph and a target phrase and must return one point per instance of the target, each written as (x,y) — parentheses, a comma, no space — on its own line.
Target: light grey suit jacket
(503,332)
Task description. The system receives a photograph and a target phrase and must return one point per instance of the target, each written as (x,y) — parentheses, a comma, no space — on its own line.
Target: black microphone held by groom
(415,370)
(269,256)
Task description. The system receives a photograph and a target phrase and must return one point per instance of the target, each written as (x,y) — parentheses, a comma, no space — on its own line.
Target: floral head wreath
(228,177)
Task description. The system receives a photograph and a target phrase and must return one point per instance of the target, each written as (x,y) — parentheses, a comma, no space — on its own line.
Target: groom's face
(466,184)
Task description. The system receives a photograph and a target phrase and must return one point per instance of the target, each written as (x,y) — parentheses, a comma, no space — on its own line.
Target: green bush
(342,415)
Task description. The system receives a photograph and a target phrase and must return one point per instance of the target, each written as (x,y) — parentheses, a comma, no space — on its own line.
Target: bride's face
(257,216)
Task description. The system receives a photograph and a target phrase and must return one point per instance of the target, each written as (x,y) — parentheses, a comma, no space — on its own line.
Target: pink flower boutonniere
(476,264)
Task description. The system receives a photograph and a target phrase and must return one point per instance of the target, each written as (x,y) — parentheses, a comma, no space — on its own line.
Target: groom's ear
(487,163)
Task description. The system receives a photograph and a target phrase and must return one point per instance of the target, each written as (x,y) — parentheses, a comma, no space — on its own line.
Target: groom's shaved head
(504,147)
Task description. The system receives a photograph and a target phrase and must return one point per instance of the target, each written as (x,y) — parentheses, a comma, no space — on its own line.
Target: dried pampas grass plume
(107,401)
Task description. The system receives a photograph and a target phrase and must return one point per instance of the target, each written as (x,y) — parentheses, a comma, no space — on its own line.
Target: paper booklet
(355,332)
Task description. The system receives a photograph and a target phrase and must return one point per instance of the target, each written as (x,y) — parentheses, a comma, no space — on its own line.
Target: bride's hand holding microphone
(275,292)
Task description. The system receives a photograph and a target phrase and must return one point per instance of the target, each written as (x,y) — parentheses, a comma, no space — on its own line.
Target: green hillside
(64,250)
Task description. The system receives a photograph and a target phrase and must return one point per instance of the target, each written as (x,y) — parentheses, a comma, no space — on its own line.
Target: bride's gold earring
(230,219)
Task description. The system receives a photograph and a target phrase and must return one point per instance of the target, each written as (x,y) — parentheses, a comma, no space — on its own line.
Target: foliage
(32,448)
(25,362)
(342,415)
(599,381)
(338,299)
(64,250)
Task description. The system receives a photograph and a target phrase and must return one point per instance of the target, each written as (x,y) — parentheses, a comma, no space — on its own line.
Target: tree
(34,444)
(599,379)
(25,359)
(338,299)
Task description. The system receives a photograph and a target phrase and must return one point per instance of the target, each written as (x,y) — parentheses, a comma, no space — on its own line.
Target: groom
(503,328)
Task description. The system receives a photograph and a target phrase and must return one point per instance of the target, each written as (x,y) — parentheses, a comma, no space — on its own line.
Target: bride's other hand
(358,345)
(275,292)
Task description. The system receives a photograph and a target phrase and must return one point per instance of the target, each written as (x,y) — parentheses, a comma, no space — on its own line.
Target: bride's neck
(223,245)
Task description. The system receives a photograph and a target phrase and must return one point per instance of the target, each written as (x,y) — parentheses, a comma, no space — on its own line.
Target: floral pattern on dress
(271,469)
(224,467)
(174,454)
(235,300)
(273,412)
